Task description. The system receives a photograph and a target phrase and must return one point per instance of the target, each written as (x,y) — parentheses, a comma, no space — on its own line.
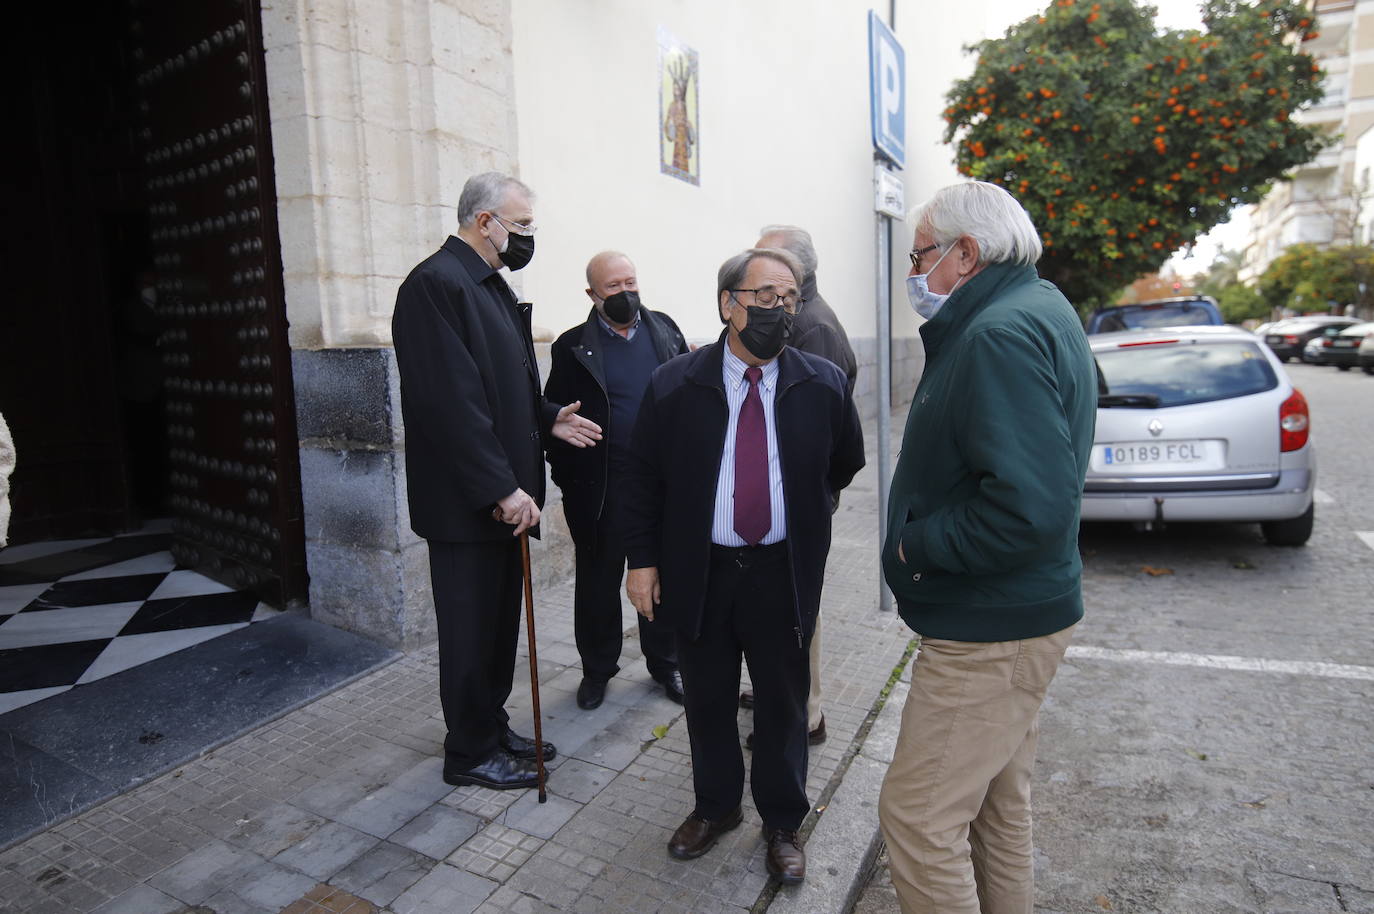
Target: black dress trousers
(477,592)
(750,612)
(597,620)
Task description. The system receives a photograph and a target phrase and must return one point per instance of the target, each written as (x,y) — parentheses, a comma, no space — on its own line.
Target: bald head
(608,273)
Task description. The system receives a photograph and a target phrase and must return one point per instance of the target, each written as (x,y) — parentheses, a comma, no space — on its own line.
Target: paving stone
(484,803)
(266,886)
(141,899)
(438,831)
(385,810)
(202,873)
(543,820)
(275,829)
(327,851)
(383,872)
(496,852)
(580,781)
(445,890)
(327,899)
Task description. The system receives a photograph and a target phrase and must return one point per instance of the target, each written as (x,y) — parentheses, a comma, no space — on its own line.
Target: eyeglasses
(766,297)
(518,228)
(916,255)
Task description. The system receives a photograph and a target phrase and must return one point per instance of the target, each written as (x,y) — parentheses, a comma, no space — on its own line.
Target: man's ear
(968,253)
(725,307)
(591,295)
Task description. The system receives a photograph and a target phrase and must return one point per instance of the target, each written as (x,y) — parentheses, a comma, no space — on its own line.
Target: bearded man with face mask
(737,451)
(475,423)
(604,363)
(982,549)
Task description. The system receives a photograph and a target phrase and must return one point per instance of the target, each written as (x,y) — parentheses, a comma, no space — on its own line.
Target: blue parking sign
(887,90)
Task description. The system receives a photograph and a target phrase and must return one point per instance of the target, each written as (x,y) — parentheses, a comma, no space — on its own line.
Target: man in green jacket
(982,549)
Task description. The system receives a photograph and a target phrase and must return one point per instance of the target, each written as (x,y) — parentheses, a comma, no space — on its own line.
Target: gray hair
(732,272)
(986,213)
(796,240)
(485,192)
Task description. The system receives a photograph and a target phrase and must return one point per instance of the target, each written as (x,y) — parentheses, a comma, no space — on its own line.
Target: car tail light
(1291,340)
(1145,343)
(1293,422)
(1326,343)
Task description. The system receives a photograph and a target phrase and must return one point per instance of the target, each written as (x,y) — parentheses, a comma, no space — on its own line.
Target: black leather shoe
(813,737)
(523,747)
(590,694)
(696,835)
(672,686)
(786,861)
(501,771)
(746,699)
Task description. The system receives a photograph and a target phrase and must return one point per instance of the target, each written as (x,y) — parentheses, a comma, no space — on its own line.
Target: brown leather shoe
(696,835)
(814,737)
(786,860)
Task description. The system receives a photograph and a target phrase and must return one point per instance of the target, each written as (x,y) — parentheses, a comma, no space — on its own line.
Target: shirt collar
(613,332)
(734,366)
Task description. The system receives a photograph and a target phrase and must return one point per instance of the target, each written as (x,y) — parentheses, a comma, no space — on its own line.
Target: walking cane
(534,662)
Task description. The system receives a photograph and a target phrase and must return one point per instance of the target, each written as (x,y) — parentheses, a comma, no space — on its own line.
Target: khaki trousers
(955,805)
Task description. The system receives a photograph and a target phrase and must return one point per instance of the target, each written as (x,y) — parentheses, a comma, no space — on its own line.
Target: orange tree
(1125,143)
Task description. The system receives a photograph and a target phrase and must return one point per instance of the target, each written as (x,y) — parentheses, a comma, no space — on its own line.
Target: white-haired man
(474,417)
(982,549)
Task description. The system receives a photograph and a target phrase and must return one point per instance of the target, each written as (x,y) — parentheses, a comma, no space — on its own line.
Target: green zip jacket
(985,499)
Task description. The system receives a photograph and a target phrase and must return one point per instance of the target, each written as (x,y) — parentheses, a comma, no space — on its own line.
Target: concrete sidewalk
(339,806)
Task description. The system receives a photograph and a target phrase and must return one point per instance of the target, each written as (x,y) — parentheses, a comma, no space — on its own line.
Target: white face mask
(923,301)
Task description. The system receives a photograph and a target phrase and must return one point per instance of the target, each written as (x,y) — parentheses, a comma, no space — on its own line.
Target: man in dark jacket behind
(474,418)
(816,330)
(734,459)
(604,363)
(982,549)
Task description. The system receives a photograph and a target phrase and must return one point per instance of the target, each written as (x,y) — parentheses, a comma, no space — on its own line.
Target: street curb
(845,841)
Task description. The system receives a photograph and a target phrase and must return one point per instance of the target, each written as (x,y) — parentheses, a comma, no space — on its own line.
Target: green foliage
(1124,144)
(1240,303)
(1306,278)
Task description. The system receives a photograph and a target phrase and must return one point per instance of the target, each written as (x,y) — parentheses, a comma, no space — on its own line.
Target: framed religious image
(679,116)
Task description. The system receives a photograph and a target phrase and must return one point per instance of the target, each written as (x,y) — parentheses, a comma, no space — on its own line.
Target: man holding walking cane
(474,417)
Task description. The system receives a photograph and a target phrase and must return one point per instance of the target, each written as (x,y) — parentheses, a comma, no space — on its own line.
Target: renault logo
(1156,427)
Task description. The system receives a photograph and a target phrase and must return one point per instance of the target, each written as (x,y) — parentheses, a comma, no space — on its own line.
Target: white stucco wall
(784,138)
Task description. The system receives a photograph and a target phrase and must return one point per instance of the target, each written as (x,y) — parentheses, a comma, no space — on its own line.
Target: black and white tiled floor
(76,611)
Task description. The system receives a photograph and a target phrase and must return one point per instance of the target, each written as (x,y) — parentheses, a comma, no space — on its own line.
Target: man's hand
(642,586)
(519,509)
(574,429)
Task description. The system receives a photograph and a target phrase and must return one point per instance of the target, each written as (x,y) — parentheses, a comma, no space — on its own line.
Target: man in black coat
(474,421)
(735,457)
(604,363)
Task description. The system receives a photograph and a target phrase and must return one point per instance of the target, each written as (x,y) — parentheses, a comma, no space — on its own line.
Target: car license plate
(1344,344)
(1152,455)
(1273,340)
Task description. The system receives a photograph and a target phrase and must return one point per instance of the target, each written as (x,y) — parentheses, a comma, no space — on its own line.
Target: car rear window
(1182,373)
(1180,314)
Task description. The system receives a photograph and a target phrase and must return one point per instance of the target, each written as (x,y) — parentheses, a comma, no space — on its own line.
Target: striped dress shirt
(736,387)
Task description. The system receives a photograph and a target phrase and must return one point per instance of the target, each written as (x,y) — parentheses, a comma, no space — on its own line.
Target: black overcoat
(675,461)
(579,373)
(470,397)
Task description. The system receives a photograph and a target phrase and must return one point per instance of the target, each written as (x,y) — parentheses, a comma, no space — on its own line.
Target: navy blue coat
(675,462)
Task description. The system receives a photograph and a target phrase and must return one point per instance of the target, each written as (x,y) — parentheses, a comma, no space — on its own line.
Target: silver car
(1199,424)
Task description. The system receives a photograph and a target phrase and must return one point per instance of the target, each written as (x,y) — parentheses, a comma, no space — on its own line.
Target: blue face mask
(923,301)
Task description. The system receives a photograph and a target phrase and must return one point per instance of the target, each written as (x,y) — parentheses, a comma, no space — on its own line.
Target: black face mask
(621,307)
(766,332)
(519,250)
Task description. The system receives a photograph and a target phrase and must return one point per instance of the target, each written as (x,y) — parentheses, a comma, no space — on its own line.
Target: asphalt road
(1208,746)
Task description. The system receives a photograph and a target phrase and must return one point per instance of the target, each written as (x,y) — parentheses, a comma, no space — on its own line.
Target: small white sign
(889,193)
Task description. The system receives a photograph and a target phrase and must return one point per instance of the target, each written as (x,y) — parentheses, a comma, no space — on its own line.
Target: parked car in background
(1199,424)
(1344,351)
(1314,353)
(1165,312)
(1367,355)
(1288,337)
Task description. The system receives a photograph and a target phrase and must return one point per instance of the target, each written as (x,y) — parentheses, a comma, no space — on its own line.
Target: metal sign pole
(884,359)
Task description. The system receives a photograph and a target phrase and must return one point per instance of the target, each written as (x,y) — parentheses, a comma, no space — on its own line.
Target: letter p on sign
(887,90)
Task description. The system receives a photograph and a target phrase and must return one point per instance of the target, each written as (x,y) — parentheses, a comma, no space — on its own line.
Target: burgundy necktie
(753,512)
